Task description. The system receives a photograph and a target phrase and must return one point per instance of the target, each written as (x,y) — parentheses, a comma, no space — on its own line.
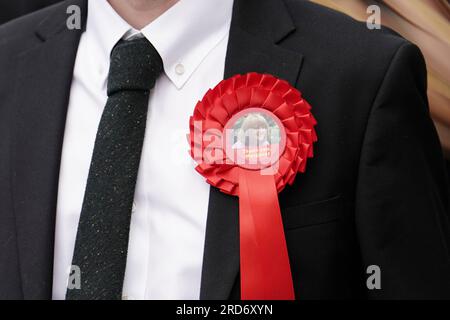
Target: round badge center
(254,138)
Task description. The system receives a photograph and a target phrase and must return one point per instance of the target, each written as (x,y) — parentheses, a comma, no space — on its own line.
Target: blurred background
(424,22)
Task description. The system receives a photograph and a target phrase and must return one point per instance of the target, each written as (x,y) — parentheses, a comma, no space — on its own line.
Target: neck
(140,13)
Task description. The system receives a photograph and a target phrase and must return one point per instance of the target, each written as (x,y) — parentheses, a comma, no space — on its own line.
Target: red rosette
(240,92)
(264,261)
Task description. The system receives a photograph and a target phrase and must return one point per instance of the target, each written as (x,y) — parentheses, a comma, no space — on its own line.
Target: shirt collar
(183,35)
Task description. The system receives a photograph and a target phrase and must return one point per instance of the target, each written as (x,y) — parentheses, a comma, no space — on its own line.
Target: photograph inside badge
(254,138)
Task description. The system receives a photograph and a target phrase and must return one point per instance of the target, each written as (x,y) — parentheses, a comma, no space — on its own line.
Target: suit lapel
(43,88)
(257,28)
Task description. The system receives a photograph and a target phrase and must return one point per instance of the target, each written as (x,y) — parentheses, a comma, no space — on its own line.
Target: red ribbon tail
(265,268)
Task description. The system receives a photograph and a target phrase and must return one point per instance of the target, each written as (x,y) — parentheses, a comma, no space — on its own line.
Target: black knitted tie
(102,238)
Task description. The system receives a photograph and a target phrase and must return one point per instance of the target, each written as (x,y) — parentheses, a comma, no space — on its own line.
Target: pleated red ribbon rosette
(264,260)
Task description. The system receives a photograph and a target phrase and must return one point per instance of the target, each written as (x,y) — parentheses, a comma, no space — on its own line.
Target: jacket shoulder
(341,48)
(336,30)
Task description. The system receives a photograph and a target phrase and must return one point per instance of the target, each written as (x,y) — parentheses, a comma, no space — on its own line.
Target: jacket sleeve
(402,195)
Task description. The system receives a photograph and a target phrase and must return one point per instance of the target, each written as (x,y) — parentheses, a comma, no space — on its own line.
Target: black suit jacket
(374,194)
(13,9)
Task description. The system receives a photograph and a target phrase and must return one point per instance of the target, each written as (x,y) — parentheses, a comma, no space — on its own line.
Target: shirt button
(179,69)
(133,208)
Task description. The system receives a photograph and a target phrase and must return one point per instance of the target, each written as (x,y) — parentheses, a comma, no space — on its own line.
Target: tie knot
(135,65)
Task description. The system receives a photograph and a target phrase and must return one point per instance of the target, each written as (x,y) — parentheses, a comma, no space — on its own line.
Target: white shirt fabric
(168,223)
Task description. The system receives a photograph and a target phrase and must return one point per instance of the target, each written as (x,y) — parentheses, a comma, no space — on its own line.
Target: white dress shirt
(167,232)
